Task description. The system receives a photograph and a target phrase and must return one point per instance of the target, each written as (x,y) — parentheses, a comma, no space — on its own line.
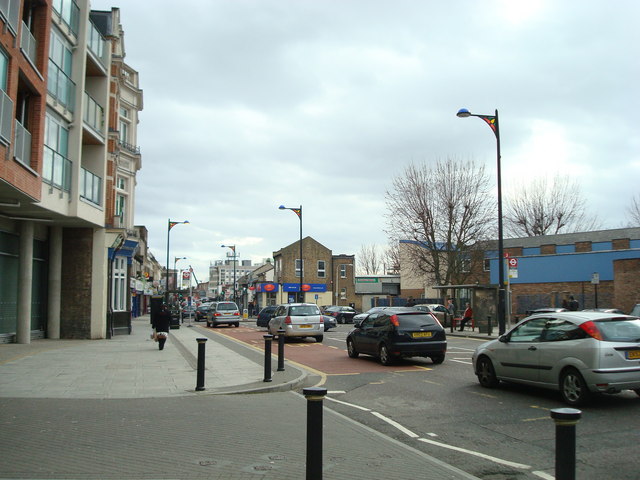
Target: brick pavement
(104,409)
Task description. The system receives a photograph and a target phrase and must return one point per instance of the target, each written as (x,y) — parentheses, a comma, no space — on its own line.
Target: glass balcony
(90,186)
(69,12)
(28,43)
(93,114)
(61,86)
(97,44)
(6,115)
(22,147)
(56,170)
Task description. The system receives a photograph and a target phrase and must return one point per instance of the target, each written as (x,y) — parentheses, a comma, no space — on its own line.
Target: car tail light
(217,314)
(237,314)
(321,319)
(287,320)
(395,321)
(591,329)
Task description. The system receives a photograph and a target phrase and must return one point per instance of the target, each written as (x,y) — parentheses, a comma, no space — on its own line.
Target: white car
(298,320)
(577,353)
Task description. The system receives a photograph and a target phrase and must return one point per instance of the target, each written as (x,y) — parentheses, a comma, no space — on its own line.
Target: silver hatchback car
(298,320)
(577,353)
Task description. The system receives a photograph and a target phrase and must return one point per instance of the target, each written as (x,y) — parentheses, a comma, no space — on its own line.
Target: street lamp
(337,271)
(170,225)
(233,248)
(298,212)
(492,121)
(175,272)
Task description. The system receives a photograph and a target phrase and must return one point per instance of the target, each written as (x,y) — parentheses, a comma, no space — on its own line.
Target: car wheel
(437,359)
(208,324)
(486,373)
(319,338)
(341,320)
(573,388)
(351,349)
(385,357)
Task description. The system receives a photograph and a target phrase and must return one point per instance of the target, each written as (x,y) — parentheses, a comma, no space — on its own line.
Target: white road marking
(348,404)
(460,361)
(406,431)
(476,454)
(543,475)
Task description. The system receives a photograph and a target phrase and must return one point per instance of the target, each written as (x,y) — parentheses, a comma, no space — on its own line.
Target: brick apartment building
(65,158)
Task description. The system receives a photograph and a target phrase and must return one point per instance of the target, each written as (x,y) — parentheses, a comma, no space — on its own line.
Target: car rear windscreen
(304,310)
(227,306)
(620,330)
(416,320)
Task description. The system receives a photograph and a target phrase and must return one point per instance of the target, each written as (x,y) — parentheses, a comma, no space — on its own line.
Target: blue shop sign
(313,287)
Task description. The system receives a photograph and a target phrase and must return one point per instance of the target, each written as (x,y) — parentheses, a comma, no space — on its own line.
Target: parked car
(265,315)
(298,320)
(361,316)
(397,332)
(438,310)
(635,311)
(546,310)
(222,313)
(577,353)
(605,310)
(342,314)
(201,311)
(329,322)
(188,311)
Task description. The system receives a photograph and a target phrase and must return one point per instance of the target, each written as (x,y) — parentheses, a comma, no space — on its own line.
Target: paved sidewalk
(122,409)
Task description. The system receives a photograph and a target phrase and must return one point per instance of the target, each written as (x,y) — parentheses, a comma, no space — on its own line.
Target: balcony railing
(69,12)
(61,86)
(97,44)
(93,114)
(22,147)
(90,186)
(28,43)
(131,148)
(56,169)
(6,116)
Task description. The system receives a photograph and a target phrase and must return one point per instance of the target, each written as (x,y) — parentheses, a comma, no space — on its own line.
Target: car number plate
(305,326)
(421,334)
(633,354)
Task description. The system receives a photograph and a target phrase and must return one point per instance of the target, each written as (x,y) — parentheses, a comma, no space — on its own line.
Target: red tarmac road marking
(323,358)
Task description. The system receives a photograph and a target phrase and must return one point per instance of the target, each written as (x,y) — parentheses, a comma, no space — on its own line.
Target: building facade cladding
(55,99)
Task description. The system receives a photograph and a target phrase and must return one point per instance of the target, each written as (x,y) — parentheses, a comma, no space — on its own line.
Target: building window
(343,271)
(466,265)
(298,265)
(124,131)
(10,13)
(6,104)
(59,83)
(121,184)
(487,264)
(321,269)
(121,204)
(119,287)
(69,12)
(343,294)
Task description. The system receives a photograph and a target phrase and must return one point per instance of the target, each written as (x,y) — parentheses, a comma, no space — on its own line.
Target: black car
(396,333)
(265,315)
(342,314)
(201,311)
(329,322)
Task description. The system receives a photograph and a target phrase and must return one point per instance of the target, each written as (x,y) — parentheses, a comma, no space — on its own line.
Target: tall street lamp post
(170,225)
(175,272)
(298,212)
(233,249)
(492,121)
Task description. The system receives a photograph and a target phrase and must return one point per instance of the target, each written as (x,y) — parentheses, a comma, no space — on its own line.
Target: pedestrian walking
(161,326)
(466,316)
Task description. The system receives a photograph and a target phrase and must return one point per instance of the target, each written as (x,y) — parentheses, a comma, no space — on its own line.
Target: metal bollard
(281,337)
(200,376)
(489,326)
(566,420)
(314,396)
(267,357)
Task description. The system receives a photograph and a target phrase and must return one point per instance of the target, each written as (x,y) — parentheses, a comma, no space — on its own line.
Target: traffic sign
(513,263)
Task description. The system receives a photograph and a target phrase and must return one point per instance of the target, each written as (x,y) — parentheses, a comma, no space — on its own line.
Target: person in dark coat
(161,326)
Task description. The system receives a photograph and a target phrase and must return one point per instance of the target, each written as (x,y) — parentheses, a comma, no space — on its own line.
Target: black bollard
(281,337)
(489,327)
(200,376)
(267,357)
(566,420)
(314,396)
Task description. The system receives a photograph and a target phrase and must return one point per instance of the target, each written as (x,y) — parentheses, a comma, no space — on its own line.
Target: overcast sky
(250,104)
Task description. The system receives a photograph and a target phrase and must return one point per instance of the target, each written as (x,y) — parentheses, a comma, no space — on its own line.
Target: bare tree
(634,211)
(547,207)
(369,261)
(445,211)
(392,259)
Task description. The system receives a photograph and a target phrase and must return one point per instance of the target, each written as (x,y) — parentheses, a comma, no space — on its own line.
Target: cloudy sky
(250,104)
